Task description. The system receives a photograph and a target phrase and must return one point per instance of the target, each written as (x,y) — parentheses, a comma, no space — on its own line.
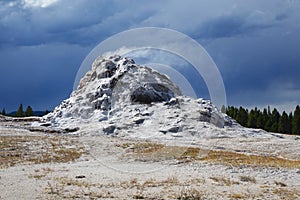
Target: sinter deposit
(124,98)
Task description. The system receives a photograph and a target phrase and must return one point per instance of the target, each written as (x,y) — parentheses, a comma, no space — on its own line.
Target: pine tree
(242,116)
(252,119)
(3,111)
(232,112)
(20,112)
(229,111)
(265,116)
(260,120)
(268,125)
(267,120)
(284,124)
(29,111)
(296,121)
(275,120)
(291,121)
(269,111)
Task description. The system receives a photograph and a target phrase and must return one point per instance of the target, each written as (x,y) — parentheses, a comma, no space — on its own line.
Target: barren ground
(39,165)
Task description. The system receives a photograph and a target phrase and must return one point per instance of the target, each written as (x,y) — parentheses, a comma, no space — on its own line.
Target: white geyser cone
(124,97)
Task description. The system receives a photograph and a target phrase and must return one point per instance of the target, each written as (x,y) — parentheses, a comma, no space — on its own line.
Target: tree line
(21,113)
(266,119)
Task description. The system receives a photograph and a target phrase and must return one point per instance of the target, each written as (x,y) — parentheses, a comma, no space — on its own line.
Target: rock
(110,84)
(172,102)
(119,94)
(172,129)
(71,130)
(176,135)
(151,92)
(46,124)
(52,130)
(109,129)
(103,118)
(139,120)
(80,177)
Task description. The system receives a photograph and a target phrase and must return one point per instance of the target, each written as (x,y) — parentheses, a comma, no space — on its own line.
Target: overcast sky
(255,44)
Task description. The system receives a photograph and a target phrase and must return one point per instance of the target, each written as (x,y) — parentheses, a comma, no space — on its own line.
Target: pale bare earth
(38,165)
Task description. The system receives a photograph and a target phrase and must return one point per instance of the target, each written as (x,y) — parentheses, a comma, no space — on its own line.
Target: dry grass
(64,181)
(279,183)
(284,193)
(191,194)
(247,179)
(223,181)
(69,188)
(38,149)
(238,159)
(237,196)
(168,188)
(152,183)
(39,174)
(155,152)
(195,182)
(142,147)
(134,183)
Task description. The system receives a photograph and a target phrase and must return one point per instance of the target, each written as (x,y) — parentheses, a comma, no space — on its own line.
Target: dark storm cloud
(246,22)
(40,76)
(228,26)
(256,44)
(76,23)
(259,70)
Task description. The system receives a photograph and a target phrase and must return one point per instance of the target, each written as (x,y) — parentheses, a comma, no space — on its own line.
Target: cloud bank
(255,44)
